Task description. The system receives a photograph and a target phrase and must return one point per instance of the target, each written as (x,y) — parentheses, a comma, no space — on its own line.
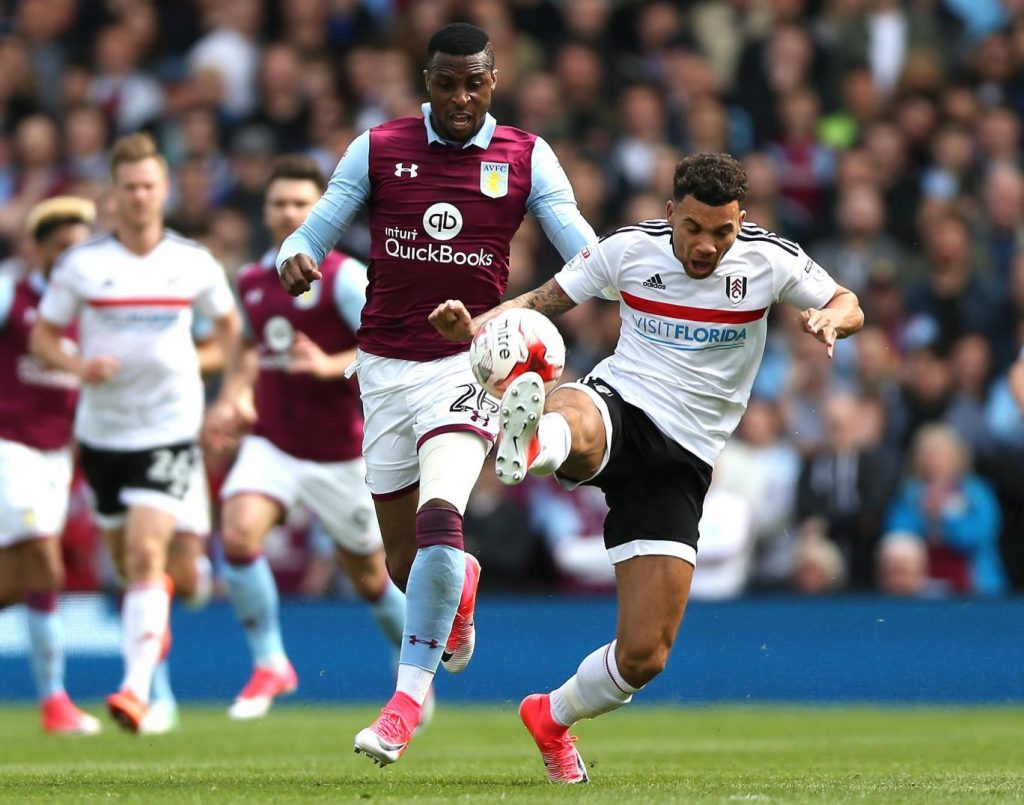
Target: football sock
(555,439)
(144,617)
(597,687)
(253,594)
(414,682)
(46,645)
(161,690)
(434,589)
(389,613)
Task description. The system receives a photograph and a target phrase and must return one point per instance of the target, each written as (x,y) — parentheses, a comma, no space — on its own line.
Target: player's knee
(181,568)
(242,539)
(144,561)
(639,663)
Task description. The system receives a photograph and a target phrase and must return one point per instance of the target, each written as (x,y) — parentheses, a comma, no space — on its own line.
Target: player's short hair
(298,167)
(712,179)
(460,39)
(48,216)
(135,148)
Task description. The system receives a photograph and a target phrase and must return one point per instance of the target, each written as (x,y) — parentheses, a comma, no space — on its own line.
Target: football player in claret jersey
(445,192)
(37,405)
(648,422)
(306,440)
(132,291)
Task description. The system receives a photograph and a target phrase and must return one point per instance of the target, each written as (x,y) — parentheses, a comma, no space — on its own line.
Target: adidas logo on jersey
(655,282)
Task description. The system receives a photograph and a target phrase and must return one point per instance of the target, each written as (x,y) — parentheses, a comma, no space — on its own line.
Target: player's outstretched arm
(452,320)
(841,317)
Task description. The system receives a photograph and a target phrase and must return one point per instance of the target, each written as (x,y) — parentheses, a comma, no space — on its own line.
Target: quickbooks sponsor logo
(688,332)
(432,253)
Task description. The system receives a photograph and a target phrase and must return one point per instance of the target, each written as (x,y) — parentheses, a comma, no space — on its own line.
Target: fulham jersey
(138,309)
(689,349)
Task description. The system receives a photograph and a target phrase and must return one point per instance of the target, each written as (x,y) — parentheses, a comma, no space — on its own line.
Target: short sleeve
(214,299)
(797,280)
(63,299)
(586,275)
(6,298)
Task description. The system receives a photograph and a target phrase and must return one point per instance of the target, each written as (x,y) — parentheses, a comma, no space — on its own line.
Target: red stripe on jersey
(140,302)
(692,313)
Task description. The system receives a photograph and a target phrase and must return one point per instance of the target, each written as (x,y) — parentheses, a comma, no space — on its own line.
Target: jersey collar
(269,258)
(481,139)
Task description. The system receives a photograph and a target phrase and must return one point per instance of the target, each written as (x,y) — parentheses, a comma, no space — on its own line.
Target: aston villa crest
(494,179)
(736,289)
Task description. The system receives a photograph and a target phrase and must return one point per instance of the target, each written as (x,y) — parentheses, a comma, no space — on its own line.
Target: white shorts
(34,487)
(407,402)
(194,514)
(334,491)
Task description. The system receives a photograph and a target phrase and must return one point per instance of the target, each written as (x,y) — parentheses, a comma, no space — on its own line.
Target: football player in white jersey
(648,422)
(132,291)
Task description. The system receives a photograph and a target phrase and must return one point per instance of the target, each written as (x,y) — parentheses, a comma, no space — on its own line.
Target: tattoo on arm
(548,299)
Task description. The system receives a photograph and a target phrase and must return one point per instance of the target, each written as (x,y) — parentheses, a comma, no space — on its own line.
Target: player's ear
(668,210)
(494,78)
(426,79)
(743,216)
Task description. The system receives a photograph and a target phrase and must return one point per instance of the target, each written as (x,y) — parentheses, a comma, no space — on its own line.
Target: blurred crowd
(883,135)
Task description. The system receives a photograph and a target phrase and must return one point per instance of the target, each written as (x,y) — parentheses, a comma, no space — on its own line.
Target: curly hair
(713,179)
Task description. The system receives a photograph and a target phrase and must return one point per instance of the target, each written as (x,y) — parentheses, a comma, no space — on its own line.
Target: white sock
(555,443)
(414,682)
(144,617)
(597,687)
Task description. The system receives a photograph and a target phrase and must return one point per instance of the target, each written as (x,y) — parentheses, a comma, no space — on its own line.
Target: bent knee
(242,538)
(640,663)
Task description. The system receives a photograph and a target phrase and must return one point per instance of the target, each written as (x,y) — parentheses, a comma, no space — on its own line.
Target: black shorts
(654,487)
(167,470)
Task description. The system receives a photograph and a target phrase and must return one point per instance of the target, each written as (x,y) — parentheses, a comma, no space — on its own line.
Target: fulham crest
(736,289)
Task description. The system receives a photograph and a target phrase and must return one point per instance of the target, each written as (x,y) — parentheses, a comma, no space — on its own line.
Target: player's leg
(370,579)
(262,485)
(396,516)
(563,431)
(652,593)
(450,462)
(145,611)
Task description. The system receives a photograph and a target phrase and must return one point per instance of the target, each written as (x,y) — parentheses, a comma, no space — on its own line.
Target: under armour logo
(413,640)
(401,169)
(479,416)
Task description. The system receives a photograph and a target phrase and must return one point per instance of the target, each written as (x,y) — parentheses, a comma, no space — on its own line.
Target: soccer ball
(517,341)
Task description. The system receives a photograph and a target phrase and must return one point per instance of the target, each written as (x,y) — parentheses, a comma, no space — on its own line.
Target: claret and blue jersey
(442,218)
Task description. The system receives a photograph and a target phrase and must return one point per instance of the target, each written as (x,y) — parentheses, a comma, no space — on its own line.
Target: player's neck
(140,241)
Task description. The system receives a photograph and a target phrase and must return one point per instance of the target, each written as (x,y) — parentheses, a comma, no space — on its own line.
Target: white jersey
(689,349)
(139,311)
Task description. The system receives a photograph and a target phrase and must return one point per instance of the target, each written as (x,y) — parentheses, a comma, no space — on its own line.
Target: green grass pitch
(639,755)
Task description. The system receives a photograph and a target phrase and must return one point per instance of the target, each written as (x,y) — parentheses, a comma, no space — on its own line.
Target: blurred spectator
(953,511)
(130,97)
(860,242)
(845,487)
(228,54)
(726,546)
(902,565)
(818,566)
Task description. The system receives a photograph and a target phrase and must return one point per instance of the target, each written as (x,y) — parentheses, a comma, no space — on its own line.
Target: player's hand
(98,370)
(308,358)
(819,323)
(452,320)
(297,273)
(225,422)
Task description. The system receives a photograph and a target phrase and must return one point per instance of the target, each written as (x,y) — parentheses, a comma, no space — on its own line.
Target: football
(515,342)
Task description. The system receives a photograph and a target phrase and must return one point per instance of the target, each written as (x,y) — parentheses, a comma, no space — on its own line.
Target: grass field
(638,755)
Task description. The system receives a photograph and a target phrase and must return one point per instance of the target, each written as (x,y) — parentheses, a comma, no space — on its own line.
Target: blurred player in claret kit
(445,194)
(37,406)
(648,423)
(306,440)
(132,292)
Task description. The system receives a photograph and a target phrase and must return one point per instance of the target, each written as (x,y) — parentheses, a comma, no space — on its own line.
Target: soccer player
(306,440)
(132,291)
(445,193)
(37,406)
(648,422)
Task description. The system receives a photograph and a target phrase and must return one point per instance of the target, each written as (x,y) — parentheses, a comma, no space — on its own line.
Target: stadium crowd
(883,135)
